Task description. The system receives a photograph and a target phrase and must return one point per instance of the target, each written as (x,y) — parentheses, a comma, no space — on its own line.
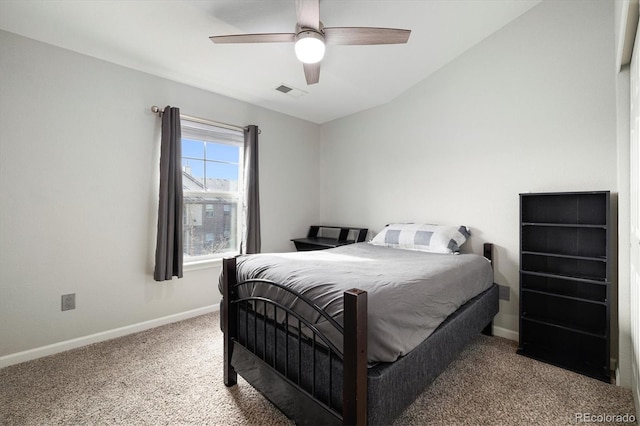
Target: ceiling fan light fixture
(309,46)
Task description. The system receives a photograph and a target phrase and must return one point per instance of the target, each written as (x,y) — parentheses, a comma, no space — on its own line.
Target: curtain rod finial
(155,110)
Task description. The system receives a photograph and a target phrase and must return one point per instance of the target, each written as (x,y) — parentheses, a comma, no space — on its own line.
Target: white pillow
(423,237)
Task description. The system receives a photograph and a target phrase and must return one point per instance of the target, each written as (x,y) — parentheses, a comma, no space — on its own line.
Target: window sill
(215,262)
(203,264)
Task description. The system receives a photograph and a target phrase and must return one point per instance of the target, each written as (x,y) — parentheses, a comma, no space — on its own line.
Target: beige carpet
(172,375)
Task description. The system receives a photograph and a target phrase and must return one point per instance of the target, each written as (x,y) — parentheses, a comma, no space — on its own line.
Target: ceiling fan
(311,36)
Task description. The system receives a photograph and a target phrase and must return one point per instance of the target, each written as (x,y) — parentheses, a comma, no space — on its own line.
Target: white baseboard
(55,348)
(506,333)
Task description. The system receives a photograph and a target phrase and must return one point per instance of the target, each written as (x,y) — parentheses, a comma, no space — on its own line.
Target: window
(213,190)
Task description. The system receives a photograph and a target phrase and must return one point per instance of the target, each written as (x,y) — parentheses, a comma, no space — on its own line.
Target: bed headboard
(488,252)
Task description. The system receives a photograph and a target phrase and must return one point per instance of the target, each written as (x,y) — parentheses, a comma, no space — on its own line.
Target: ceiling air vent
(284,89)
(291,91)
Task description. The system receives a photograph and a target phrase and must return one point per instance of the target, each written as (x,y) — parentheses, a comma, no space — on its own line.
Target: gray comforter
(409,292)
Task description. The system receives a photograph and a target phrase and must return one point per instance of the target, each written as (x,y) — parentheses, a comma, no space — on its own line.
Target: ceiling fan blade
(312,73)
(365,35)
(308,14)
(255,38)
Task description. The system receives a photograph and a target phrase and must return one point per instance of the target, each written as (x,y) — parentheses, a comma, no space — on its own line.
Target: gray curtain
(251,240)
(169,238)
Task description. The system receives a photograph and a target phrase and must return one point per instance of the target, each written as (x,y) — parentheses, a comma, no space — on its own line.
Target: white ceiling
(169,38)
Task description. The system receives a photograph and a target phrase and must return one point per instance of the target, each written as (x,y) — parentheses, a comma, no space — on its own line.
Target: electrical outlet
(68,301)
(504,292)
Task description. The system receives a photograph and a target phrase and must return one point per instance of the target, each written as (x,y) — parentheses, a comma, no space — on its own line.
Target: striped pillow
(423,237)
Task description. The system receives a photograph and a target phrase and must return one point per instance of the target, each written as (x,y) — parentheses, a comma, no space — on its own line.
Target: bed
(329,338)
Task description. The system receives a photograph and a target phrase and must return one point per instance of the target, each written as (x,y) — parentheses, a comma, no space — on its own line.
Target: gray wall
(79,151)
(531,108)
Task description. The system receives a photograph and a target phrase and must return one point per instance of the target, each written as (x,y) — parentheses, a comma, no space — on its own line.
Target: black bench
(322,237)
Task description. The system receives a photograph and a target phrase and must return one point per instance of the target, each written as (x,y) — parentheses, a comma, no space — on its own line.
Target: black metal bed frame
(290,361)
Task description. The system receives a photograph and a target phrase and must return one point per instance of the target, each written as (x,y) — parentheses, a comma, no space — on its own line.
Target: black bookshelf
(565,279)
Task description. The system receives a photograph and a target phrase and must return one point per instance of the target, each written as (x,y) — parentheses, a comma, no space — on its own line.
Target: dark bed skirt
(392,387)
(395,386)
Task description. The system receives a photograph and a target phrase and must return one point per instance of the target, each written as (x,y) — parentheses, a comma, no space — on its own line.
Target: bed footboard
(264,342)
(229,321)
